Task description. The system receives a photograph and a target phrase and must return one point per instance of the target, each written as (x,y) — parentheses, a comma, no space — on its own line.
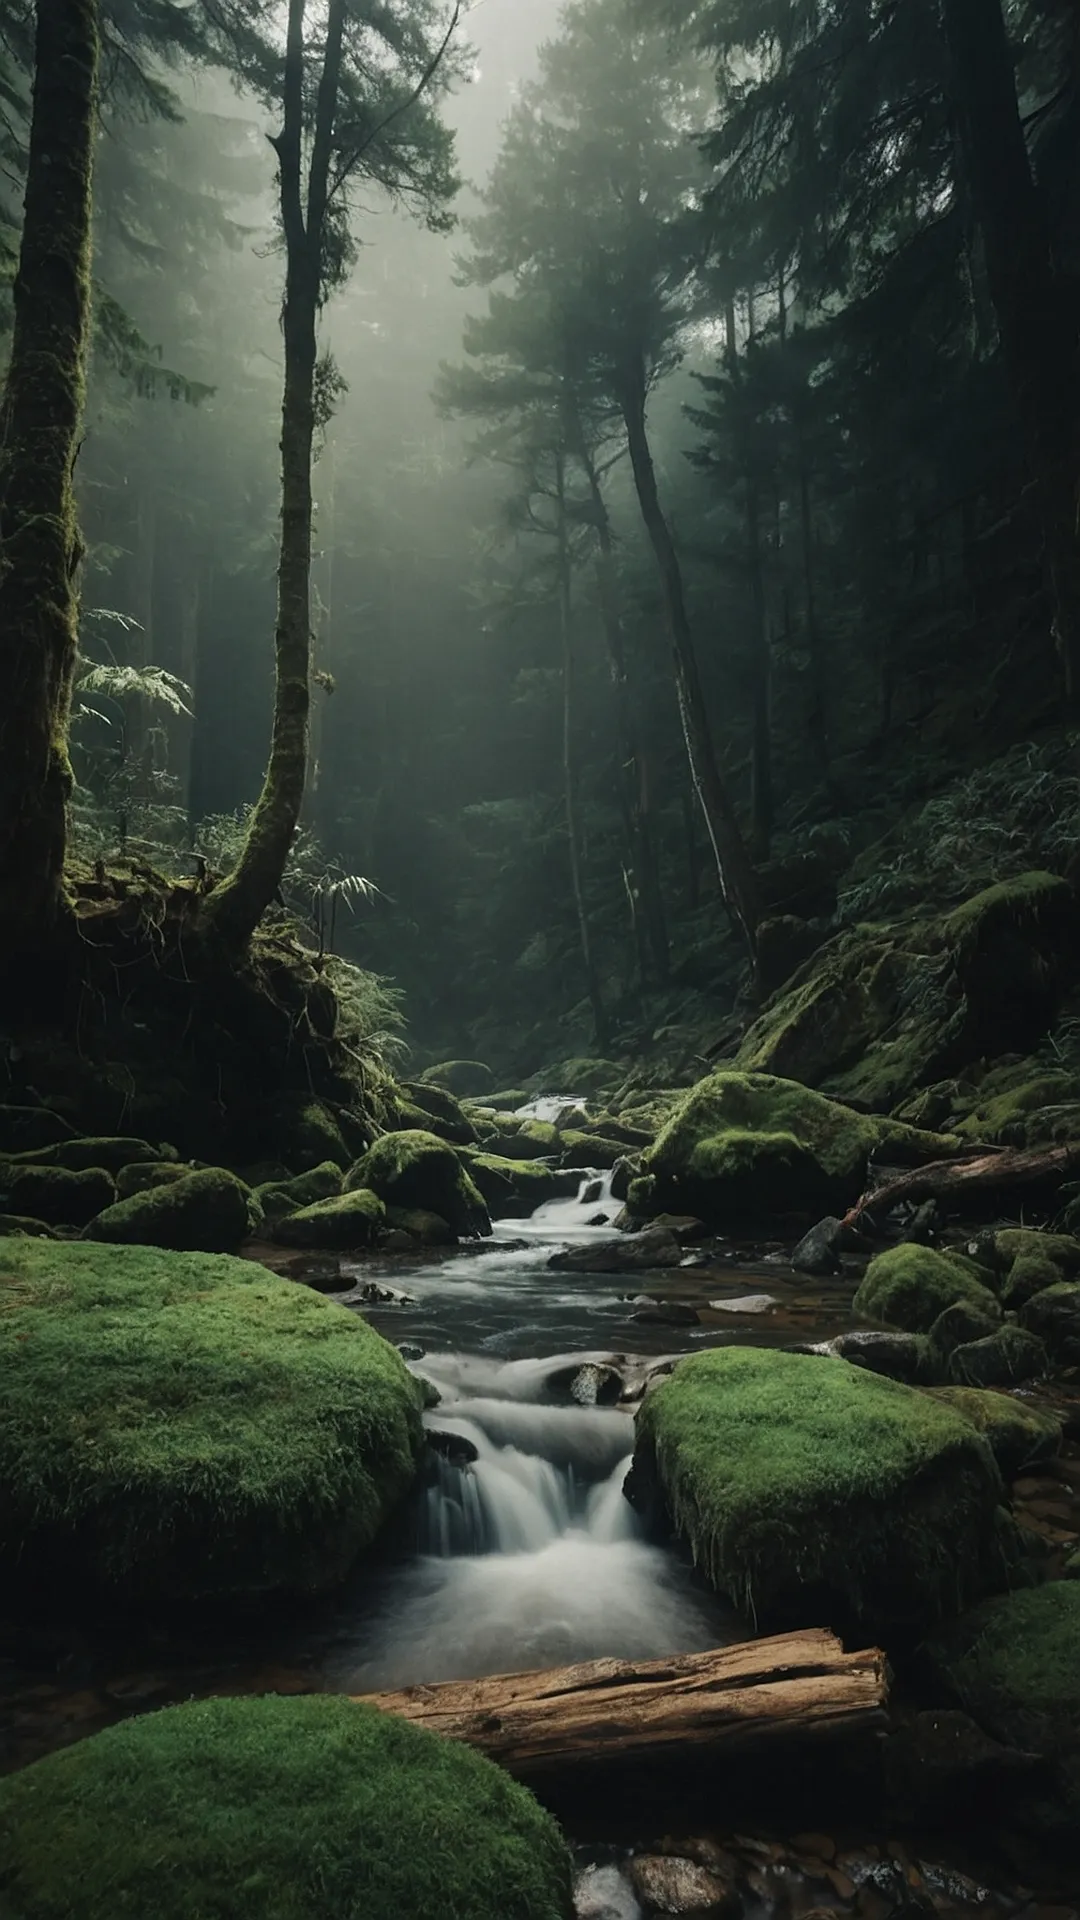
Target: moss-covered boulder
(56,1195)
(529,1140)
(416,1169)
(111,1151)
(1015,949)
(581,1077)
(580,1149)
(746,1145)
(910,1286)
(303,1808)
(1005,1358)
(517,1185)
(439,1112)
(279,1197)
(146,1174)
(177,1425)
(1020,1434)
(205,1212)
(1018,1104)
(957,1326)
(1015,1665)
(302,1132)
(430,1229)
(1054,1316)
(809,1489)
(346,1220)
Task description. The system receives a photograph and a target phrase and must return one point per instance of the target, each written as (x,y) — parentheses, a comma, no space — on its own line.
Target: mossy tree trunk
(40,418)
(234,910)
(1035,307)
(736,874)
(570,777)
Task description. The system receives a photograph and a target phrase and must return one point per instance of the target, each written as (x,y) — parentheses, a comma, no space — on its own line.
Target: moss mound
(811,1489)
(308,1808)
(910,1286)
(146,1174)
(416,1169)
(748,1144)
(206,1212)
(111,1151)
(1003,1359)
(581,1149)
(429,1228)
(279,1197)
(1054,1316)
(526,1182)
(1019,1434)
(346,1220)
(1015,1664)
(183,1425)
(56,1195)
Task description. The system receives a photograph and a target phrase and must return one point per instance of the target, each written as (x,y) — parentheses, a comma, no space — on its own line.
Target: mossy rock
(110,1151)
(180,1425)
(910,1286)
(416,1169)
(1014,1664)
(304,1133)
(1030,1273)
(580,1150)
(1019,1105)
(57,1195)
(310,1807)
(746,1145)
(811,1489)
(1003,1359)
(440,1112)
(467,1079)
(147,1174)
(429,1228)
(1019,1434)
(1054,1316)
(346,1220)
(28,1129)
(280,1197)
(960,1323)
(1014,948)
(508,1101)
(525,1183)
(529,1140)
(205,1212)
(1010,1244)
(15,1225)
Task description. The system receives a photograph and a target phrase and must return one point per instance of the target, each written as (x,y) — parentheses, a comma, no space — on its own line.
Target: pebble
(745,1303)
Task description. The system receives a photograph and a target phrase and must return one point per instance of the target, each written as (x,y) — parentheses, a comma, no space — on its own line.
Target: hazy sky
(506,34)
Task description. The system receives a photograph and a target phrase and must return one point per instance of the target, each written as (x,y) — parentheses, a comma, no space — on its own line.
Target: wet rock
(960,1324)
(1054,1315)
(1003,1359)
(621,1175)
(818,1251)
(326,1276)
(591,1192)
(924,1225)
(623,1253)
(899,1356)
(599,1220)
(685,1226)
(410,1350)
(455,1447)
(396,1241)
(670,1884)
(745,1303)
(664,1313)
(348,1220)
(205,1212)
(603,1893)
(596,1386)
(373,1294)
(420,1224)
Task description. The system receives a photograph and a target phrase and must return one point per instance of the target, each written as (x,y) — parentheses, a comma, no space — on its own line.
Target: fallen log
(737,1700)
(993,1174)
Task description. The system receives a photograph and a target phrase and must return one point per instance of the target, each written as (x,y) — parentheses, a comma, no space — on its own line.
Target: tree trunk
(648,899)
(235,908)
(982,1182)
(1035,309)
(751,1699)
(573,829)
(40,418)
(737,880)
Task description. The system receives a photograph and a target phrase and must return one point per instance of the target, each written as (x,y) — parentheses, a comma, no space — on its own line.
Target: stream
(517,1548)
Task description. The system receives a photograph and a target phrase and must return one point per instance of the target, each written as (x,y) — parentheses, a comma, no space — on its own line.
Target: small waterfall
(536,1473)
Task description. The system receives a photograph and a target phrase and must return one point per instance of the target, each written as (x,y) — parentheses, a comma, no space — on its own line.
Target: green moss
(1030,900)
(1010,1244)
(15,1224)
(416,1169)
(957,1325)
(148,1174)
(303,1808)
(103,1150)
(464,1078)
(529,1140)
(55,1194)
(1054,1315)
(346,1220)
(909,1286)
(306,1134)
(1029,1275)
(1003,1359)
(280,1197)
(205,1212)
(1020,1435)
(506,1102)
(1015,1665)
(500,1180)
(1015,1106)
(183,1425)
(746,1144)
(805,1482)
(431,1107)
(588,1149)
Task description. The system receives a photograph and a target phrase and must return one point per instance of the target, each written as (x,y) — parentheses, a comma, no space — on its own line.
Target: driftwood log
(986,1176)
(740,1700)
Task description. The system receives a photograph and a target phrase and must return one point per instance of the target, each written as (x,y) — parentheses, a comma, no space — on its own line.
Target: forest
(539,959)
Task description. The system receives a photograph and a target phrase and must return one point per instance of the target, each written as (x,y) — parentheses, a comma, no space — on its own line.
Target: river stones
(311,1806)
(623,1253)
(818,1252)
(803,1483)
(416,1169)
(669,1884)
(205,1212)
(180,1425)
